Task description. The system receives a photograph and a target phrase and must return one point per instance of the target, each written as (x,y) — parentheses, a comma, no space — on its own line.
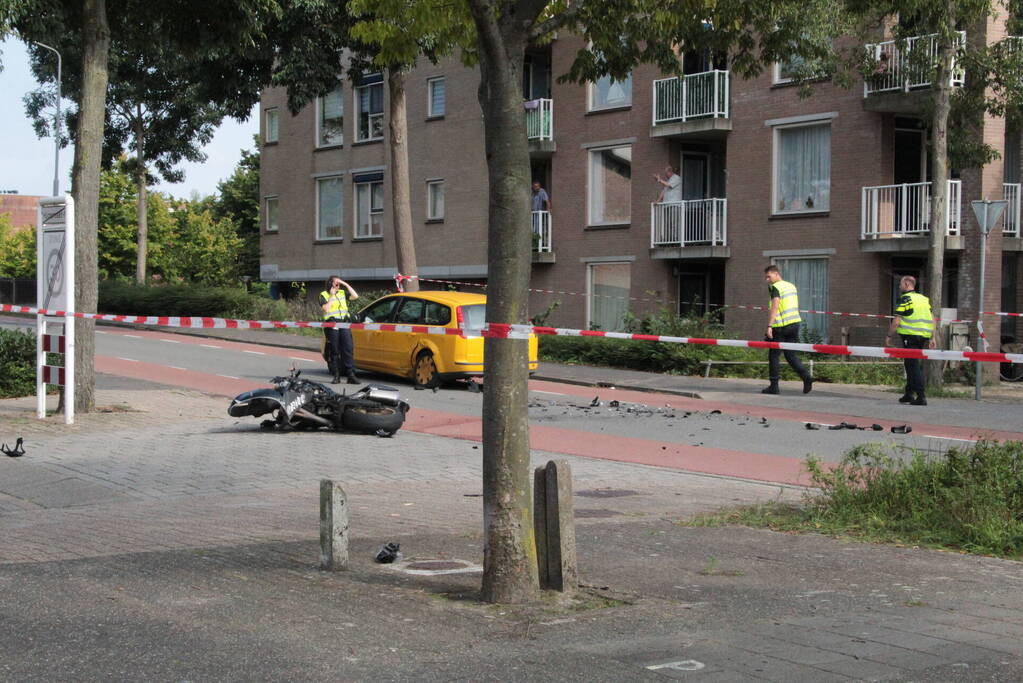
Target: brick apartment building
(22,209)
(832,188)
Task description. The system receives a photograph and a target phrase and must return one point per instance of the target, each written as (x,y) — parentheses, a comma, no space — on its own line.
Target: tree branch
(557,21)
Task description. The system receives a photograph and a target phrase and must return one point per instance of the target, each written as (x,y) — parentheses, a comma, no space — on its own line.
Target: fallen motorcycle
(301,404)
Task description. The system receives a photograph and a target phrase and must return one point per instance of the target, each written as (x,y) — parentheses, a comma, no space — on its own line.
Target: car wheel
(424,372)
(371,417)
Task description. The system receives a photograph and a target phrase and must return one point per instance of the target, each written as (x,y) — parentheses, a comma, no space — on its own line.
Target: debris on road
(389,553)
(15,452)
(812,425)
(901,429)
(595,403)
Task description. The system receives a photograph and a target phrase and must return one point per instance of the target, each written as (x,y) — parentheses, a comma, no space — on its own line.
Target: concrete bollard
(554,522)
(333,527)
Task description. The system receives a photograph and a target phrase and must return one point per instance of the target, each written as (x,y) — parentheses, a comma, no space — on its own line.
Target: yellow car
(428,359)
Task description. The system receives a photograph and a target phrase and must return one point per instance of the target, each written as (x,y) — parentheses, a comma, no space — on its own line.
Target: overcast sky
(26,162)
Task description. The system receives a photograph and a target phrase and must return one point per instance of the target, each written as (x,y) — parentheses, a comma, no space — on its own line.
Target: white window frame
(319,123)
(589,285)
(777,129)
(277,212)
(590,186)
(358,113)
(430,216)
(341,209)
(357,207)
(808,303)
(431,83)
(272,113)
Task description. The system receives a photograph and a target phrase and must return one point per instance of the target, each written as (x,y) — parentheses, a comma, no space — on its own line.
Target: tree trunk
(85,190)
(939,184)
(509,560)
(142,219)
(401,203)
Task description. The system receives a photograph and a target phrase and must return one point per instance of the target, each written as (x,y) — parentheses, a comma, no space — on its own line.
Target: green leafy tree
(17,250)
(117,224)
(495,34)
(203,248)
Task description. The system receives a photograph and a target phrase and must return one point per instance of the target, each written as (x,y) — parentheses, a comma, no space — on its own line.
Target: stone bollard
(333,527)
(554,524)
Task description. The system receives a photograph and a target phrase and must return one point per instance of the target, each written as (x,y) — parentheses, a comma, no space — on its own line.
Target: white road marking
(552,393)
(175,367)
(130,360)
(100,332)
(307,360)
(255,353)
(170,341)
(684,665)
(228,376)
(946,438)
(134,336)
(210,346)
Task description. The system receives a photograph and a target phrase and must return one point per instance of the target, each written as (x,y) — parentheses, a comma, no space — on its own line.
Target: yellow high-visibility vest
(338,305)
(920,322)
(788,308)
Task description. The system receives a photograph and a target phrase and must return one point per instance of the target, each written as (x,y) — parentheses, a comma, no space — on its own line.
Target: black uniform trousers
(340,349)
(785,333)
(914,366)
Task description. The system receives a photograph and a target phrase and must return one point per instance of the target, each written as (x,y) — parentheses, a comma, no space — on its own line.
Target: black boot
(920,400)
(906,397)
(352,379)
(337,379)
(771,388)
(807,385)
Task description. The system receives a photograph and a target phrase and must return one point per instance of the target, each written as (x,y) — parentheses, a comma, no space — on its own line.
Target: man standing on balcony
(783,326)
(672,185)
(915,324)
(541,200)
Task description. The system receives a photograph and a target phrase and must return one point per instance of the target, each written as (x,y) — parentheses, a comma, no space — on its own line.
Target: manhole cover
(436,564)
(597,513)
(606,493)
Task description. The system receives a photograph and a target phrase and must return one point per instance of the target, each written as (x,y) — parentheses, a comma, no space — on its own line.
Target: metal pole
(979,372)
(56,125)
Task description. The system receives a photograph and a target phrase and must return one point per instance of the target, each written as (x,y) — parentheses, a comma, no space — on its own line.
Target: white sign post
(987,212)
(55,291)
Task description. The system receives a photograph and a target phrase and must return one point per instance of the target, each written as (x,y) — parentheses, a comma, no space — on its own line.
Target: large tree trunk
(401,203)
(85,189)
(939,185)
(509,560)
(142,241)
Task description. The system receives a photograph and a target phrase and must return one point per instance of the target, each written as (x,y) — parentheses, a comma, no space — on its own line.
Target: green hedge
(17,363)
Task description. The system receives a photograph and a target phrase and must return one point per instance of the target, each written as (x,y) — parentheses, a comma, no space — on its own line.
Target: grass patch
(966,499)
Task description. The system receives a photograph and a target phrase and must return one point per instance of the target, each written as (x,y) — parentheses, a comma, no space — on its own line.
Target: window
(608,296)
(411,312)
(330,119)
(328,208)
(810,276)
(434,200)
(369,105)
(796,68)
(271,213)
(802,168)
(610,186)
(272,122)
(380,312)
(369,209)
(607,93)
(436,95)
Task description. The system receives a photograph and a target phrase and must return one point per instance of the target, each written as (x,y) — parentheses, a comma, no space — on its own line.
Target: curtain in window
(609,292)
(804,168)
(437,97)
(371,99)
(810,276)
(611,185)
(329,208)
(608,92)
(331,117)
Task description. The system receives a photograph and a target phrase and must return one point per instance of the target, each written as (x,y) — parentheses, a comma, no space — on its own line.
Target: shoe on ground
(807,385)
(772,389)
(919,401)
(906,398)
(336,379)
(352,379)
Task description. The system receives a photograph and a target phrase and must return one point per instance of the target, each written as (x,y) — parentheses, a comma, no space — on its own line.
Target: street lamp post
(987,212)
(56,126)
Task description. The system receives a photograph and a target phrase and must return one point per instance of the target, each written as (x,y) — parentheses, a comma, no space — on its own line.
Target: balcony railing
(542,231)
(1010,225)
(692,222)
(695,96)
(907,66)
(905,210)
(539,119)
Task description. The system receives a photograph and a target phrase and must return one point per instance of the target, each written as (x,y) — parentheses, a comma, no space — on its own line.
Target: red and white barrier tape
(399,279)
(507,331)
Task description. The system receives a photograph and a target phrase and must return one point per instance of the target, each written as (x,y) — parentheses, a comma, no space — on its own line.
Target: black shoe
(808,385)
(352,379)
(906,398)
(770,389)
(336,380)
(921,400)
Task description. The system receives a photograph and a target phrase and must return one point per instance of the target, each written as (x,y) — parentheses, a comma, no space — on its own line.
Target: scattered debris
(763,420)
(901,429)
(595,403)
(715,412)
(384,433)
(472,495)
(844,425)
(15,452)
(812,425)
(389,553)
(876,427)
(613,404)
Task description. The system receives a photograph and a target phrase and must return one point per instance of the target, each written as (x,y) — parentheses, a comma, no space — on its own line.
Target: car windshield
(475,316)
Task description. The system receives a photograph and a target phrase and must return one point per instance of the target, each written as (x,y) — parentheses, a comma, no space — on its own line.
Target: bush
(970,499)
(17,364)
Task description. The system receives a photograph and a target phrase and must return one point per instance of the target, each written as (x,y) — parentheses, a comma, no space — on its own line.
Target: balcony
(696,228)
(902,67)
(1010,223)
(897,217)
(542,252)
(540,126)
(691,104)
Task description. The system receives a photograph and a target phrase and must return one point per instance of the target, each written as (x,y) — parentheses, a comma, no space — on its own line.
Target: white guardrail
(539,119)
(1011,194)
(907,64)
(692,222)
(905,210)
(542,231)
(694,96)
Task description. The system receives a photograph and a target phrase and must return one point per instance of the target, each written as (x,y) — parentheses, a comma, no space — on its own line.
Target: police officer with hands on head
(915,324)
(783,326)
(334,303)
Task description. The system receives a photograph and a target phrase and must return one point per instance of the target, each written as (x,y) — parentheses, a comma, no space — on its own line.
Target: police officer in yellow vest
(915,324)
(339,341)
(783,326)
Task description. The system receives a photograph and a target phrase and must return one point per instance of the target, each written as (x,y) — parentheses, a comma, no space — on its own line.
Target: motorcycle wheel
(371,417)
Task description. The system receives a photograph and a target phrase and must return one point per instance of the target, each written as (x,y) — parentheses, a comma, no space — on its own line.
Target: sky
(26,162)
